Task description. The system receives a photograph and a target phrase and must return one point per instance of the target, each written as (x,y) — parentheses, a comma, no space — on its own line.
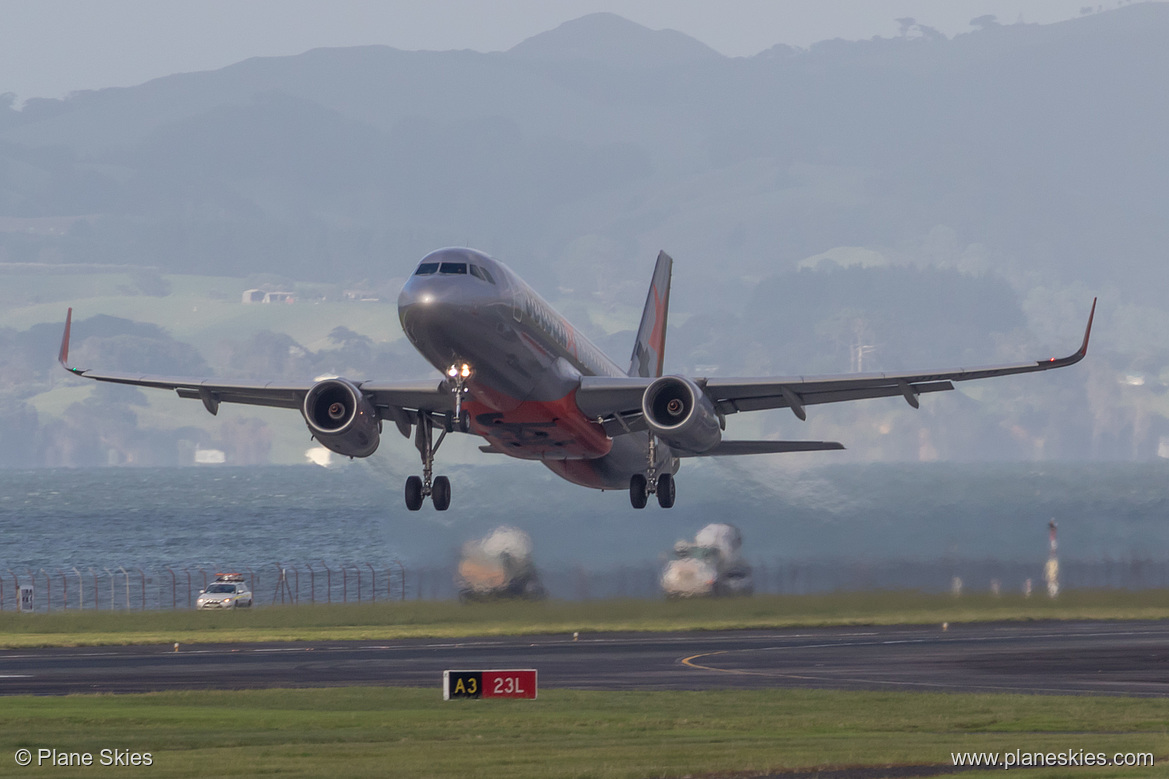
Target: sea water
(234,516)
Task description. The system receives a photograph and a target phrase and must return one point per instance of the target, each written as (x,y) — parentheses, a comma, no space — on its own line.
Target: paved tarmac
(1098,658)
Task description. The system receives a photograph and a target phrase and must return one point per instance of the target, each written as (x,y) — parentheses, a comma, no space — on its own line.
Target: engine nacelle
(341,418)
(678,412)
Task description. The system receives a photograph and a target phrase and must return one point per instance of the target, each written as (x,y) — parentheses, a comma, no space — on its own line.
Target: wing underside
(615,402)
(401,403)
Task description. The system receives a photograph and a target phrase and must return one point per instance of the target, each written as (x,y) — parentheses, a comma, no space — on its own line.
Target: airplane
(517,374)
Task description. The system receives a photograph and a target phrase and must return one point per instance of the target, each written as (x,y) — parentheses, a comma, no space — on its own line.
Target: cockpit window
(453,269)
(426,269)
(482,273)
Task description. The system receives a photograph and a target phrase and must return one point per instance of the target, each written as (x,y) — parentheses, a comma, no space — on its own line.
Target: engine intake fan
(678,412)
(341,418)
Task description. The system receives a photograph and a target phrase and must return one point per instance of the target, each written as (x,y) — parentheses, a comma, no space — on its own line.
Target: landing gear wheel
(414,493)
(638,491)
(440,493)
(665,491)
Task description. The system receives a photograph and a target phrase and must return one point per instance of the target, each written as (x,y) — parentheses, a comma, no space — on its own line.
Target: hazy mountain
(1040,143)
(609,41)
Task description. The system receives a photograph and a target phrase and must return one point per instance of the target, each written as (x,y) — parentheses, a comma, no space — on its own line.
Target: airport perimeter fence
(148,589)
(783,577)
(166,588)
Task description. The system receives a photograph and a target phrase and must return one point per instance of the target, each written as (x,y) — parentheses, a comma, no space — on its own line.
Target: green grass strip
(444,619)
(355,732)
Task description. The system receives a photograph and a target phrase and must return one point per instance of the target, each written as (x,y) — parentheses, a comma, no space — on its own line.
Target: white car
(228,591)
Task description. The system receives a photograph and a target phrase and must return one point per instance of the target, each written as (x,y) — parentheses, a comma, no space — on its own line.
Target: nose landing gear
(437,488)
(651,483)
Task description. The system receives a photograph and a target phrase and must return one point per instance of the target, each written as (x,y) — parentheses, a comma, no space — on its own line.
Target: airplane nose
(433,300)
(413,293)
(423,298)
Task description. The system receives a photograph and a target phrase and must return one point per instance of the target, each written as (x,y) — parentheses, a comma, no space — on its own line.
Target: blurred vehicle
(498,566)
(228,591)
(710,565)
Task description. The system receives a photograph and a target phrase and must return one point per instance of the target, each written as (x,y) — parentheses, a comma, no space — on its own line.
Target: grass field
(374,731)
(408,619)
(414,733)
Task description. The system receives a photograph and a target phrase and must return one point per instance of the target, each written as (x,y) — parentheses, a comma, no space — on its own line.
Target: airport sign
(512,683)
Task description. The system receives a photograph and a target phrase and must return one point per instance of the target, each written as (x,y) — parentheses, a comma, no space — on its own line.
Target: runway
(1096,658)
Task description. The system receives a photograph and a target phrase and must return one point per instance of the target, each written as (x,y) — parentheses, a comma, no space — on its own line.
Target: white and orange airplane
(519,375)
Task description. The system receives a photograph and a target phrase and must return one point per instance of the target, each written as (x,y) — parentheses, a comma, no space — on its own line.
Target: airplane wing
(616,401)
(399,402)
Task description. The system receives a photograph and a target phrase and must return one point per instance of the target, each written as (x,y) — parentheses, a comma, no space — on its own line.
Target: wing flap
(265,394)
(600,396)
(729,401)
(214,394)
(735,448)
(428,396)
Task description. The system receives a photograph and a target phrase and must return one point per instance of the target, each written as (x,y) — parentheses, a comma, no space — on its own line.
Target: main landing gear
(651,483)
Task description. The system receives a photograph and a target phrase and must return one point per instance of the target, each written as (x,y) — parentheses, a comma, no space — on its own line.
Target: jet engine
(341,418)
(678,412)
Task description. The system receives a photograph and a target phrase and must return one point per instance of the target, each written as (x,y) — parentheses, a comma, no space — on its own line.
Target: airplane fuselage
(461,306)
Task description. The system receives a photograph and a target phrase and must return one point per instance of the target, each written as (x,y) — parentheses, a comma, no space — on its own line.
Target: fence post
(344,583)
(173,590)
(357,568)
(295,584)
(64,591)
(80,591)
(328,580)
(126,581)
(282,585)
(279,585)
(312,583)
(372,583)
(188,572)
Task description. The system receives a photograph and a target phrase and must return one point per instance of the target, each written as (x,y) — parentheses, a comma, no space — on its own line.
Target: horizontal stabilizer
(728,448)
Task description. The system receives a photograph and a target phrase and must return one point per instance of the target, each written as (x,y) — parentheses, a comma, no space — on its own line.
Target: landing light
(466,371)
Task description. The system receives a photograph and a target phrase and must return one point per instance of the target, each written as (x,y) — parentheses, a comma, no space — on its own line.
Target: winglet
(1080,353)
(63,355)
(1088,330)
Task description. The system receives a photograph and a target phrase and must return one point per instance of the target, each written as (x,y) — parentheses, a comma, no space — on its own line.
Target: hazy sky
(49,48)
